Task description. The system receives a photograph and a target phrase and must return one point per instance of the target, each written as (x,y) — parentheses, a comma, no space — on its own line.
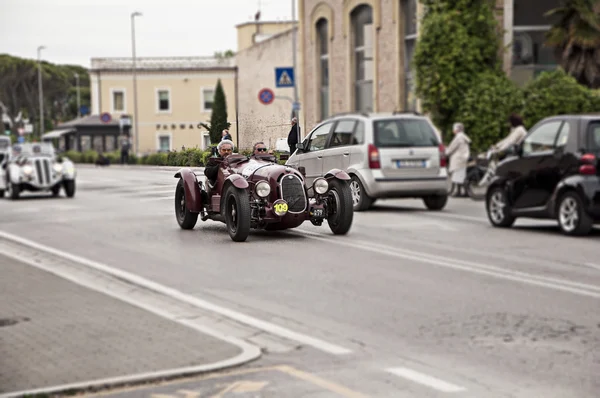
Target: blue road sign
(21,139)
(105,117)
(266,96)
(284,77)
(296,106)
(84,110)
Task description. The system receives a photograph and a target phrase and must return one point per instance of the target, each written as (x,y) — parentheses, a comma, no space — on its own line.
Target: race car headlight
(27,169)
(320,186)
(263,189)
(57,168)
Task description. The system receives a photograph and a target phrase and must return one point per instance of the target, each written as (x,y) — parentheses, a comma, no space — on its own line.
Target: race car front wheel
(237,213)
(70,188)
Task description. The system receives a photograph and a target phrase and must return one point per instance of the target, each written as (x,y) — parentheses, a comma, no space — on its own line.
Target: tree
(576,39)
(458,41)
(218,118)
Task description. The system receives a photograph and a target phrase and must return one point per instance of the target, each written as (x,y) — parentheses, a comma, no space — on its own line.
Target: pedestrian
(225,135)
(459,153)
(293,135)
(125,145)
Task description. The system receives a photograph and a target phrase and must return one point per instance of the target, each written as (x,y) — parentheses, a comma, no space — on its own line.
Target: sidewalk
(54,332)
(135,166)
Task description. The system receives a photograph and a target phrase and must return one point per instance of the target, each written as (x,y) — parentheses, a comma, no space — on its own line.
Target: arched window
(409,13)
(362,44)
(323,62)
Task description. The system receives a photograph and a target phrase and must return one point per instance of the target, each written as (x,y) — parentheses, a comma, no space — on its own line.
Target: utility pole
(294,36)
(40,89)
(78,98)
(135,101)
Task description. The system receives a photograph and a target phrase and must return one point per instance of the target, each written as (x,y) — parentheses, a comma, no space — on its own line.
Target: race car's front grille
(292,191)
(42,168)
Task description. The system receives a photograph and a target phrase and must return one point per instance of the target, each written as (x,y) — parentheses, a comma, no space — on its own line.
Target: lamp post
(135,103)
(78,100)
(40,89)
(294,34)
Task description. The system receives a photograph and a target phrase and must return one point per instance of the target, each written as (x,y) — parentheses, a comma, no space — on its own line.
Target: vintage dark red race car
(258,193)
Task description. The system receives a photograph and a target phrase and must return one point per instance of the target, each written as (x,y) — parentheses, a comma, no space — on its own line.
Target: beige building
(174,95)
(356,54)
(263,46)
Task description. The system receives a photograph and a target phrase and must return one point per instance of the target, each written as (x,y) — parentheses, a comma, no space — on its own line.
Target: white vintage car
(36,167)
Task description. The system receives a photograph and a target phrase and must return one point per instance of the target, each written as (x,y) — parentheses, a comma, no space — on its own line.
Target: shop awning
(56,133)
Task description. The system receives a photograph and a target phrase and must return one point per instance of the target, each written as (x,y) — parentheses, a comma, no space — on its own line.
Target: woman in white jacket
(459,152)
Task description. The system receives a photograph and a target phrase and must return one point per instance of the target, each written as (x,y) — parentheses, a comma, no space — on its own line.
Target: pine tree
(218,117)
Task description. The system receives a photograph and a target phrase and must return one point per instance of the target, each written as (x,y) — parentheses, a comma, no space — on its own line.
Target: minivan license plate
(410,163)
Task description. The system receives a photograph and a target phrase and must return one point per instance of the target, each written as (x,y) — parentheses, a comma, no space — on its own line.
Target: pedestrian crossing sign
(284,77)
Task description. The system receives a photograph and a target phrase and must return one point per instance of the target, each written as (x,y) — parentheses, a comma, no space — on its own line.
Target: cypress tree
(218,117)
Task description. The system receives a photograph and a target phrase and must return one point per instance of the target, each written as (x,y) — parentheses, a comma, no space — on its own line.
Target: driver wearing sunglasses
(260,149)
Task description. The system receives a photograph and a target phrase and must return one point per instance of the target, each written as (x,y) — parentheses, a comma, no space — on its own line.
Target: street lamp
(78,100)
(294,33)
(40,89)
(135,104)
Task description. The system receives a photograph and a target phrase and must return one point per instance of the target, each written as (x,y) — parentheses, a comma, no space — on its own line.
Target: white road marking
(478,268)
(595,266)
(186,298)
(425,380)
(155,199)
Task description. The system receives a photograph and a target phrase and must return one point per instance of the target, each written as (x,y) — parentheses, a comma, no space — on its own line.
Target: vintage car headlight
(27,169)
(263,189)
(320,185)
(57,167)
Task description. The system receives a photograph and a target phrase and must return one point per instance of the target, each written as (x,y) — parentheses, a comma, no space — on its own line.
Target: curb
(136,166)
(249,352)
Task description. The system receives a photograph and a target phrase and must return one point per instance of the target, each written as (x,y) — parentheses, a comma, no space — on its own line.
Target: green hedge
(186,158)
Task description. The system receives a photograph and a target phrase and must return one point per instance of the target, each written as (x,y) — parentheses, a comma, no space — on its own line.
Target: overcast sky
(74,31)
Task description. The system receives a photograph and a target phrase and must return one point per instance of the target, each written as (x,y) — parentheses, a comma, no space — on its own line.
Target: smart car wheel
(237,213)
(498,209)
(185,218)
(572,218)
(360,200)
(340,210)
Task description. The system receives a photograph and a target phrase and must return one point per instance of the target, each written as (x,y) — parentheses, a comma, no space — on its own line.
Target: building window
(409,11)
(323,51)
(362,43)
(164,141)
(530,56)
(208,98)
(118,100)
(163,100)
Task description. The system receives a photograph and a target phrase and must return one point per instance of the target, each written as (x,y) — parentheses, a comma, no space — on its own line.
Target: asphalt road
(410,303)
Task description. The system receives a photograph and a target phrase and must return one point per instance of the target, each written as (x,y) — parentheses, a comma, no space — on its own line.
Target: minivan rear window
(405,132)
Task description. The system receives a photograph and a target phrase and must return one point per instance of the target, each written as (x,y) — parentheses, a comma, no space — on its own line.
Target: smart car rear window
(594,136)
(404,132)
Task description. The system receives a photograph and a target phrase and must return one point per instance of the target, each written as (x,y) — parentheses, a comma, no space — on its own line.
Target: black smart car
(553,174)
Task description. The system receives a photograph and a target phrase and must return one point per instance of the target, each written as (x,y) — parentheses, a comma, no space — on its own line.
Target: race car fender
(238,181)
(68,170)
(193,196)
(14,173)
(337,173)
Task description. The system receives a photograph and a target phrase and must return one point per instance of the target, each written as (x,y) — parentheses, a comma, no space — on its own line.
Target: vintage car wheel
(70,188)
(237,213)
(1,193)
(55,190)
(185,218)
(340,207)
(13,191)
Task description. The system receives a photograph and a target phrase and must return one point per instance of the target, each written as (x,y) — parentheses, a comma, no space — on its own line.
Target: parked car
(35,167)
(258,193)
(553,174)
(397,155)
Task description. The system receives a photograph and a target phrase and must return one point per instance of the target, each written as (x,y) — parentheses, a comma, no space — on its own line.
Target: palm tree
(576,39)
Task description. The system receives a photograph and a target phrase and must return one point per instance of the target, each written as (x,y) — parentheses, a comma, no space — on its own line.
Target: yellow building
(174,94)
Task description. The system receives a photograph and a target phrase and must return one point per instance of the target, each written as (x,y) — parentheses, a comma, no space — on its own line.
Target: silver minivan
(394,155)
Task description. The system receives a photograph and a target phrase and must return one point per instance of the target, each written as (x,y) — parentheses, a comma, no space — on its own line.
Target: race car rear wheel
(13,191)
(1,193)
(237,213)
(185,218)
(340,211)
(70,188)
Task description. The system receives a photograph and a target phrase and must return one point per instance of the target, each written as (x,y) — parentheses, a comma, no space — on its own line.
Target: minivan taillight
(374,162)
(588,164)
(443,160)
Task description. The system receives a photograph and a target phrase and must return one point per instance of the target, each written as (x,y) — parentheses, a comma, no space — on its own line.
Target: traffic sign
(21,139)
(105,117)
(284,77)
(296,106)
(266,96)
(84,110)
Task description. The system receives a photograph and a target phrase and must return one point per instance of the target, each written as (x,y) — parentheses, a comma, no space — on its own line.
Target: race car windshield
(405,132)
(35,149)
